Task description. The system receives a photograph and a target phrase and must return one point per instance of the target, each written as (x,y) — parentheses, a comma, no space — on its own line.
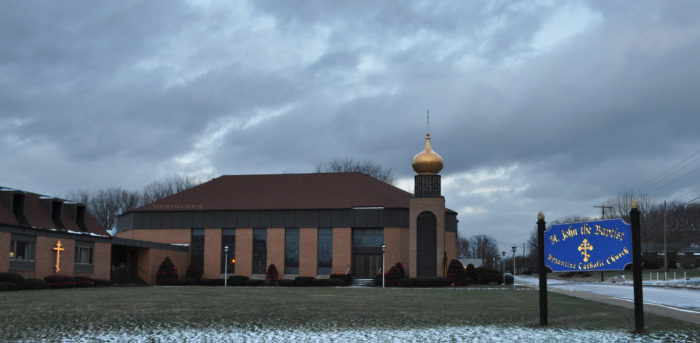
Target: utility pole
(665,250)
(602,207)
(523,257)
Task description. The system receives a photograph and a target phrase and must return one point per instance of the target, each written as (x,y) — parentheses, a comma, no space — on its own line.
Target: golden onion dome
(427,162)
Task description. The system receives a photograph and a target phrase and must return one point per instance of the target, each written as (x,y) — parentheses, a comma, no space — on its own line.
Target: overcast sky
(550,106)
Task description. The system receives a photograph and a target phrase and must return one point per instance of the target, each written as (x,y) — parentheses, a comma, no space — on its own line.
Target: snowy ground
(479,334)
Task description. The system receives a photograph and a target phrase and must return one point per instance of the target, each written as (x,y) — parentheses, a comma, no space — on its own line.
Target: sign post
(541,269)
(637,268)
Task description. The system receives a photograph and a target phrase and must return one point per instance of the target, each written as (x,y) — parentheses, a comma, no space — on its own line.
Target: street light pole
(504,267)
(226,266)
(515,247)
(383,263)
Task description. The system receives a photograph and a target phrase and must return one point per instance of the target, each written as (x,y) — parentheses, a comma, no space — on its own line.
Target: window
(325,251)
(291,251)
(365,238)
(84,252)
(228,238)
(259,251)
(197,247)
(22,252)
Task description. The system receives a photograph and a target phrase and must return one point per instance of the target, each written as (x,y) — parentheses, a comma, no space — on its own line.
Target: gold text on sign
(583,248)
(58,255)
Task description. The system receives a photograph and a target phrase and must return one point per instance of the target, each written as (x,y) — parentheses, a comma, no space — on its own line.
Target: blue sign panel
(590,246)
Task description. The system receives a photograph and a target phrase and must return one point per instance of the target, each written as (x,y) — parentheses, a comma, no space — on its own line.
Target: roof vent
(15,201)
(77,212)
(54,208)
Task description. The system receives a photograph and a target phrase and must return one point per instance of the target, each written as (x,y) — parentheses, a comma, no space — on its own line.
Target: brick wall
(212,254)
(244,252)
(342,250)
(308,251)
(275,249)
(436,205)
(5,238)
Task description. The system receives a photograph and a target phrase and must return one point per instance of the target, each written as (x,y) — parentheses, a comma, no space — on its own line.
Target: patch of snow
(482,334)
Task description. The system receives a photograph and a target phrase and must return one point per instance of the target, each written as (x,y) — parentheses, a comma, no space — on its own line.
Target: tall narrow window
(259,251)
(291,251)
(228,238)
(22,252)
(197,247)
(84,252)
(325,251)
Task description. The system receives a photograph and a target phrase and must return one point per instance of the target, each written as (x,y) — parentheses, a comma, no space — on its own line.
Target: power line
(642,186)
(676,180)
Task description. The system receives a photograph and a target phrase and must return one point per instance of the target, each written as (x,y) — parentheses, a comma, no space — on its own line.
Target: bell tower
(427,216)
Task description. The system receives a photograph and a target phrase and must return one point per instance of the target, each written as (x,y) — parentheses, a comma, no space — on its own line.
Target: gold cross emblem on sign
(58,255)
(584,247)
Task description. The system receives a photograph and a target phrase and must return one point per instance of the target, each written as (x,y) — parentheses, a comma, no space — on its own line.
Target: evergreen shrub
(336,283)
(84,282)
(424,282)
(237,280)
(393,277)
(218,282)
(319,282)
(346,278)
(194,271)
(9,286)
(471,274)
(15,278)
(442,281)
(509,280)
(3,288)
(401,269)
(102,283)
(188,282)
(61,281)
(408,282)
(167,273)
(206,282)
(272,276)
(286,283)
(34,284)
(456,273)
(488,276)
(303,281)
(254,282)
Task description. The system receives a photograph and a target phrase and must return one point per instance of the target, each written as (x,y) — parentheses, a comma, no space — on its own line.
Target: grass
(33,314)
(595,276)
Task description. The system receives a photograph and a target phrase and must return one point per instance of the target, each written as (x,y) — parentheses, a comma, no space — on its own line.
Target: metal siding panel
(289,219)
(360,218)
(220,219)
(254,218)
(301,218)
(348,218)
(187,219)
(243,219)
(167,220)
(209,219)
(325,218)
(277,219)
(197,219)
(404,218)
(313,218)
(156,220)
(372,218)
(177,220)
(146,220)
(231,219)
(336,218)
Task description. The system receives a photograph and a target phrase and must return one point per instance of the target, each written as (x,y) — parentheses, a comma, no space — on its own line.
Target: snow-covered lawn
(439,334)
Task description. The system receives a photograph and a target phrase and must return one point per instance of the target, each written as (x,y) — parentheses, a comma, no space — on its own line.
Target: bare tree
(350,164)
(483,247)
(463,246)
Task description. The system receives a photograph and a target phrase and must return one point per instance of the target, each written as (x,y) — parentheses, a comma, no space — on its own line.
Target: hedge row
(15,282)
(240,280)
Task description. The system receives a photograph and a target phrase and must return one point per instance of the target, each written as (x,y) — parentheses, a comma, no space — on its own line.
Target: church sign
(591,246)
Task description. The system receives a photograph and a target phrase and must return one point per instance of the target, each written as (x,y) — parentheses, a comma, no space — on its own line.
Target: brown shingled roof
(285,192)
(37,217)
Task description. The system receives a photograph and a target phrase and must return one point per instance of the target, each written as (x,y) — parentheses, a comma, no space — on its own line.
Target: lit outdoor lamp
(383,263)
(226,266)
(515,247)
(12,255)
(504,267)
(493,265)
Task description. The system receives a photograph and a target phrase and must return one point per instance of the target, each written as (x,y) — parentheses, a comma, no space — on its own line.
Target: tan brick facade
(308,251)
(5,238)
(396,241)
(342,250)
(212,254)
(244,252)
(275,249)
(417,205)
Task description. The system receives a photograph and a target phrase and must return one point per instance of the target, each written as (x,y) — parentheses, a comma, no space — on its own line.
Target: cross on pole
(58,255)
(584,247)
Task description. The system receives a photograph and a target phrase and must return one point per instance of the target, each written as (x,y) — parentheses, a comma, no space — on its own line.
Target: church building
(306,224)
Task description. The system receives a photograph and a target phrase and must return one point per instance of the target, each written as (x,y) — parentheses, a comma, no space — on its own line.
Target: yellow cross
(58,255)
(584,247)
